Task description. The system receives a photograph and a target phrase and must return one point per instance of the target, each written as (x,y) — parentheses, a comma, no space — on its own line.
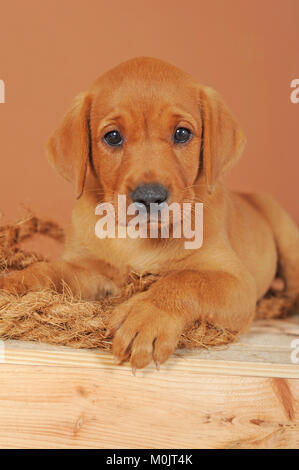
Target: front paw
(143,332)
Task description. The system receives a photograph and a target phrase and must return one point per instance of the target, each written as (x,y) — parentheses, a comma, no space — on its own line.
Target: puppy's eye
(113,138)
(182,135)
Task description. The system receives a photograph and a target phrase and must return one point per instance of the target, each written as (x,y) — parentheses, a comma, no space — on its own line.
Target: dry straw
(62,319)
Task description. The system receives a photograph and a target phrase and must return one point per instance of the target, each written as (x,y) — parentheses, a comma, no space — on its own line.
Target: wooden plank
(178,363)
(240,396)
(264,352)
(70,407)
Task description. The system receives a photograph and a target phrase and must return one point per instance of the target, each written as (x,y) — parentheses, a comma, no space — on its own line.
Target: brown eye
(182,135)
(113,138)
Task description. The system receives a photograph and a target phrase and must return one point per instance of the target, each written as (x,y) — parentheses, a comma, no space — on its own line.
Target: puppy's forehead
(145,69)
(144,83)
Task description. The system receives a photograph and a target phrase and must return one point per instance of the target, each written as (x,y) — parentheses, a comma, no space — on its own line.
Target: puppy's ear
(222,139)
(68,148)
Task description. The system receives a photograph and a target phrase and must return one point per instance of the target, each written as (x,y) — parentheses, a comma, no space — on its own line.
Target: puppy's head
(148,131)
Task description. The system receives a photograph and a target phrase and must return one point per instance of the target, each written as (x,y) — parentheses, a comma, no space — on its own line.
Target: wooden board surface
(266,351)
(242,396)
(58,407)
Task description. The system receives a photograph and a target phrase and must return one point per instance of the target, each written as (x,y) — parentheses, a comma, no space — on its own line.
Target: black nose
(149,194)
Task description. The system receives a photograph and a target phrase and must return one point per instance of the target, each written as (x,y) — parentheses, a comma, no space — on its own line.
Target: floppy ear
(222,139)
(68,148)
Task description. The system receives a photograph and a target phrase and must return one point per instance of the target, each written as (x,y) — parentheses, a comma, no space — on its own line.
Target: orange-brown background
(52,49)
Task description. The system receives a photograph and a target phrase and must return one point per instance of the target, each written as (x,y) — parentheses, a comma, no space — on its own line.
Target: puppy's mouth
(152,212)
(147,214)
(157,219)
(160,219)
(152,208)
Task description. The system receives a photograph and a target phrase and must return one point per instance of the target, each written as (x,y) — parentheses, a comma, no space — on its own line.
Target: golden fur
(246,237)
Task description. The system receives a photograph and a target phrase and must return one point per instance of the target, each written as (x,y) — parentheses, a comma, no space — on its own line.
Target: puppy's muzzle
(150,193)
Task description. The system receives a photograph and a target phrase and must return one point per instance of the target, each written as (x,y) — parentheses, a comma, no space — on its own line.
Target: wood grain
(57,407)
(242,396)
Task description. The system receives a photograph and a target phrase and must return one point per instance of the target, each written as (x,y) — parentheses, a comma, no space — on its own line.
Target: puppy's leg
(286,235)
(80,277)
(148,325)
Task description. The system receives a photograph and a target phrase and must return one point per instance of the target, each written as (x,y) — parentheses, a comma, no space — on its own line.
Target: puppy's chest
(133,255)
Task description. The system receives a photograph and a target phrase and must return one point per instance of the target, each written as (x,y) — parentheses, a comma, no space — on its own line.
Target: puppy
(149,131)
